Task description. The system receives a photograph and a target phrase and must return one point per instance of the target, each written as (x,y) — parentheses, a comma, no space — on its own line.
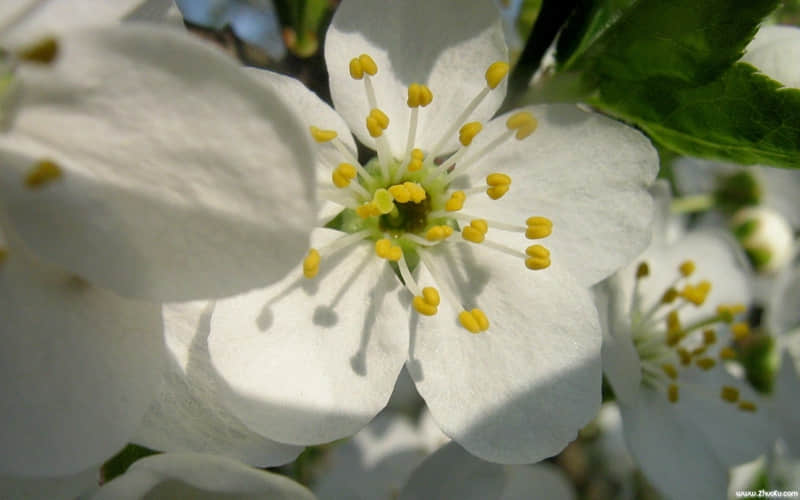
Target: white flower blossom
(496,329)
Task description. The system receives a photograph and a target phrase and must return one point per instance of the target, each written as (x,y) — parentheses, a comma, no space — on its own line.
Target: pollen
(43,51)
(428,302)
(747,406)
(672,393)
(456,201)
(670,370)
(740,331)
(42,173)
(419,95)
(367,210)
(727,354)
(696,294)
(438,233)
(495,74)
(377,122)
(729,394)
(385,250)
(408,191)
(686,268)
(642,270)
(311,264)
(673,321)
(415,164)
(476,231)
(343,174)
(468,132)
(523,122)
(498,185)
(686,357)
(362,64)
(669,296)
(538,257)
(705,363)
(538,227)
(474,321)
(321,135)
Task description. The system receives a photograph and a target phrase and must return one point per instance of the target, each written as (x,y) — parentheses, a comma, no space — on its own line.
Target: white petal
(199,477)
(310,361)
(621,364)
(675,457)
(781,188)
(782,314)
(775,51)
(189,414)
(453,473)
(587,173)
(444,44)
(48,488)
(521,390)
(547,480)
(182,177)
(79,367)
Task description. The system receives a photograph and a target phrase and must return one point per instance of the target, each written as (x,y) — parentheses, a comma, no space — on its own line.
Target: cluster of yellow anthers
(664,352)
(403,200)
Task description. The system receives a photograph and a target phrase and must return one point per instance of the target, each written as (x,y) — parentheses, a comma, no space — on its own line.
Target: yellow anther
(670,370)
(729,394)
(416,191)
(383,201)
(686,358)
(674,337)
(705,363)
(673,321)
(746,406)
(321,135)
(311,264)
(43,51)
(538,257)
(686,268)
(343,174)
(42,173)
(415,163)
(672,393)
(642,270)
(456,201)
(699,351)
(696,294)
(498,185)
(737,308)
(3,255)
(468,132)
(727,354)
(362,64)
(368,64)
(438,233)
(367,210)
(400,193)
(475,320)
(495,73)
(428,302)
(377,122)
(385,250)
(740,331)
(476,231)
(538,227)
(669,296)
(727,312)
(709,336)
(523,122)
(419,95)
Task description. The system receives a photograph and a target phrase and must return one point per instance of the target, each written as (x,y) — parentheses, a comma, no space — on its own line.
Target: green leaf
(590,20)
(742,116)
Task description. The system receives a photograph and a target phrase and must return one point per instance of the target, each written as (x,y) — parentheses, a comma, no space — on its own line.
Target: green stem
(693,203)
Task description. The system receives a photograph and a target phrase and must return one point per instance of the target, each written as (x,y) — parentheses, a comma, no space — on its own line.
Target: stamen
(475,321)
(672,393)
(414,164)
(408,191)
(740,331)
(3,255)
(377,122)
(729,394)
(709,337)
(342,177)
(727,354)
(465,136)
(438,233)
(385,250)
(418,95)
(43,51)
(476,231)
(696,294)
(43,172)
(456,202)
(498,185)
(538,257)
(706,363)
(311,263)
(747,406)
(428,302)
(494,75)
(686,268)
(538,227)
(367,210)
(670,370)
(321,135)
(684,355)
(642,271)
(362,64)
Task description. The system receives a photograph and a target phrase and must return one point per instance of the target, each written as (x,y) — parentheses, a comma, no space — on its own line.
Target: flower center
(406,204)
(668,348)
